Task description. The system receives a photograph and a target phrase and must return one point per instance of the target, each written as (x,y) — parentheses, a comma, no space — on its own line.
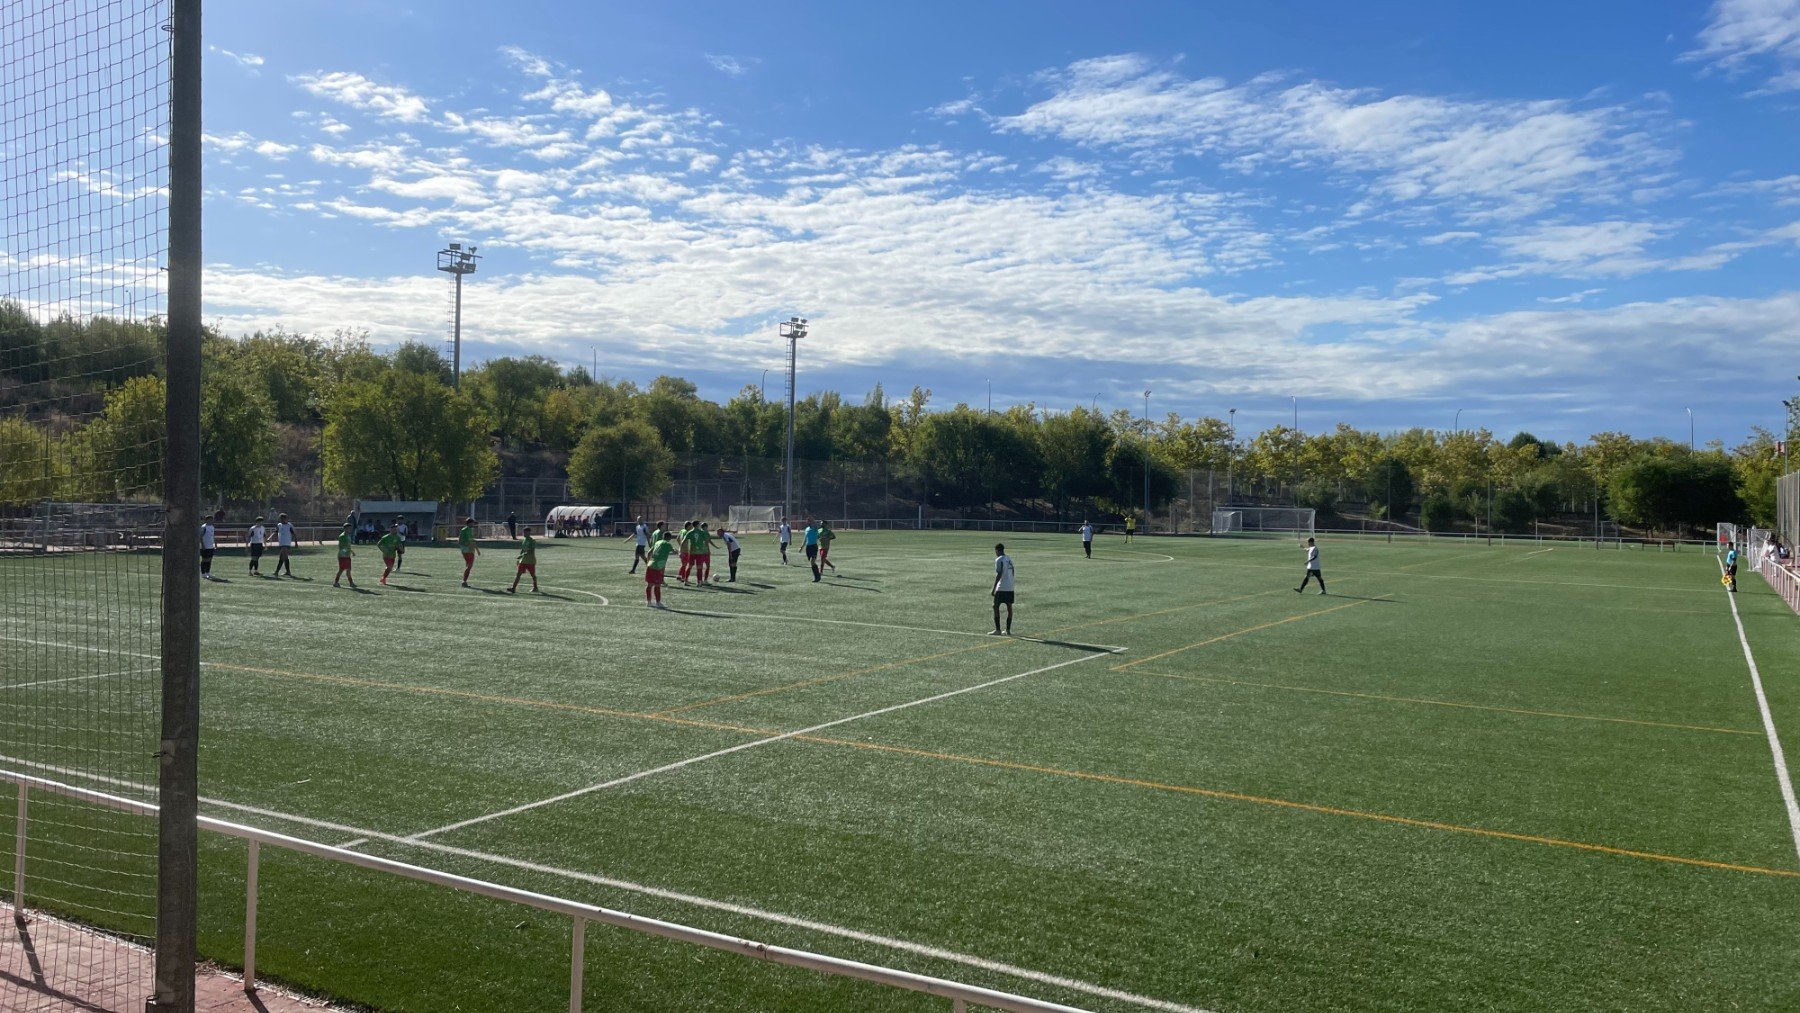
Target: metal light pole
(1456,428)
(1094,405)
(990,384)
(792,329)
(456,262)
(1146,461)
(1231,457)
(762,386)
(1690,412)
(1295,398)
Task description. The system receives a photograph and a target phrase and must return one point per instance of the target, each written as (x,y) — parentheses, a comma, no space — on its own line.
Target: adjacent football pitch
(1470,777)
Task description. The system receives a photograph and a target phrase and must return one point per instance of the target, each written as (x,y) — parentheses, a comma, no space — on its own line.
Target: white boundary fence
(961,996)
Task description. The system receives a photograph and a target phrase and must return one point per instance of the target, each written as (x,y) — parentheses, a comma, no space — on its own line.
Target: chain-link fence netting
(84,122)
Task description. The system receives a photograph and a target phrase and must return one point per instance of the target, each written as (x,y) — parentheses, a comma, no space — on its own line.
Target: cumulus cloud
(358,92)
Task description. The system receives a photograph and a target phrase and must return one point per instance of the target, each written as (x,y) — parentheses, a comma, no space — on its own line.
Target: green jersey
(388,543)
(528,552)
(696,540)
(659,553)
(344,545)
(466,539)
(825,537)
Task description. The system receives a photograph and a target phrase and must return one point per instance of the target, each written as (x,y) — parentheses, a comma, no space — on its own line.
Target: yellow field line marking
(1009,765)
(1239,633)
(822,680)
(1452,703)
(1327,810)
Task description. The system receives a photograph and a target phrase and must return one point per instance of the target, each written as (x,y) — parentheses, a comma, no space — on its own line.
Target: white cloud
(247,60)
(1480,158)
(358,92)
(1743,33)
(734,66)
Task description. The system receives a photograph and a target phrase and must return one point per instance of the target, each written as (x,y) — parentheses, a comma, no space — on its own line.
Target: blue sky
(1562,218)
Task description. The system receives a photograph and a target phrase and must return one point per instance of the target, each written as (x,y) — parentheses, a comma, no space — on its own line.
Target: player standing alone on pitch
(1087,538)
(388,543)
(344,554)
(258,538)
(1003,589)
(642,551)
(284,546)
(209,543)
(826,537)
(1130,527)
(465,540)
(656,568)
(787,538)
(527,564)
(1312,568)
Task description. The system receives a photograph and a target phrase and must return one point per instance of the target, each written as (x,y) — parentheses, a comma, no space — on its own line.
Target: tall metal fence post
(19,856)
(177,891)
(252,872)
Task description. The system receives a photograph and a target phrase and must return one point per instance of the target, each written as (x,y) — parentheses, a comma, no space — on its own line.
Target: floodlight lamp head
(456,246)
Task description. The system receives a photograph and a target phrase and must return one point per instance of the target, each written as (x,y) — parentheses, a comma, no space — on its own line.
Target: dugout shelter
(420,516)
(575,519)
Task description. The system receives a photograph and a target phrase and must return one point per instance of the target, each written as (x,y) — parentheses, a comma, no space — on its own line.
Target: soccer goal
(1727,536)
(754,518)
(1248,520)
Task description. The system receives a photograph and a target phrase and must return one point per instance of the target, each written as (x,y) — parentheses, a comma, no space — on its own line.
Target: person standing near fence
(1731,561)
(512,525)
(1312,568)
(284,546)
(1087,538)
(465,540)
(258,538)
(786,534)
(209,543)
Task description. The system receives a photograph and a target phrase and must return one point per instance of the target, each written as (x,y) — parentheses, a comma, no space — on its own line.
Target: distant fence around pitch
(961,995)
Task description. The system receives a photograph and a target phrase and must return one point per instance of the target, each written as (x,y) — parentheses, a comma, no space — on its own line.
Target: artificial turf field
(1472,777)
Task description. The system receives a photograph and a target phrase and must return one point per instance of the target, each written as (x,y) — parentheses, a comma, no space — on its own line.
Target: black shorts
(206,555)
(812,551)
(1731,571)
(1003,597)
(256,550)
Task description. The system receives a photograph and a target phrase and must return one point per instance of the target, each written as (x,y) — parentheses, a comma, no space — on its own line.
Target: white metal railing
(1783,578)
(960,995)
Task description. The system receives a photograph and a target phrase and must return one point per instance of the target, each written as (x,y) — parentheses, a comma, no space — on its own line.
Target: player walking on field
(642,551)
(284,546)
(389,544)
(810,539)
(258,538)
(826,537)
(656,568)
(1003,589)
(786,535)
(1087,538)
(527,564)
(1312,568)
(465,540)
(344,554)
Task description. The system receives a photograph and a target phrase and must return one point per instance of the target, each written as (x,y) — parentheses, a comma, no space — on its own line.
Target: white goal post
(754,518)
(1251,520)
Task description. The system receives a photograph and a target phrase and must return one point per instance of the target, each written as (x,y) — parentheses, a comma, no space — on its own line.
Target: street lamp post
(792,330)
(456,262)
(1231,456)
(1457,427)
(762,387)
(990,384)
(1690,412)
(1146,461)
(1094,405)
(1295,398)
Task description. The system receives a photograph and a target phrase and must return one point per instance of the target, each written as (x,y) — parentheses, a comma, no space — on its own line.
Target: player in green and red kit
(465,540)
(683,543)
(389,544)
(344,554)
(527,564)
(703,556)
(694,541)
(656,569)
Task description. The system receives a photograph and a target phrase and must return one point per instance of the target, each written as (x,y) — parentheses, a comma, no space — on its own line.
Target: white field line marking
(604,600)
(740,747)
(743,910)
(1762,704)
(1410,574)
(74,678)
(81,647)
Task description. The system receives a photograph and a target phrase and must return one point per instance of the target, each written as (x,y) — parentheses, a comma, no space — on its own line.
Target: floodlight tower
(456,262)
(792,330)
(1146,461)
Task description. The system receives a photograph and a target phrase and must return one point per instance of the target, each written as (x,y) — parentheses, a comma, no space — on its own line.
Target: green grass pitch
(1472,777)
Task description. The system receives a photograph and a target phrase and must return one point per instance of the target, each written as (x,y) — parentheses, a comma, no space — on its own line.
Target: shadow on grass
(697,612)
(1070,644)
(1358,597)
(834,581)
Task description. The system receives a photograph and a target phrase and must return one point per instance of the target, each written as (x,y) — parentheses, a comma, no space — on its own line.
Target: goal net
(1727,537)
(754,518)
(1247,520)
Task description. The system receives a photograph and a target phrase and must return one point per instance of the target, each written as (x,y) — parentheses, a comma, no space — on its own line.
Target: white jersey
(1003,573)
(731,542)
(400,529)
(209,536)
(284,535)
(1312,557)
(258,534)
(787,533)
(1087,532)
(643,535)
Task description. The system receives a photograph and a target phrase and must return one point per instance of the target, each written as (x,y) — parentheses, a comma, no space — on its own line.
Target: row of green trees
(393,423)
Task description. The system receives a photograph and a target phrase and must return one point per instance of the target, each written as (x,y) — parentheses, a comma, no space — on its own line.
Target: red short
(469,558)
(530,568)
(704,557)
(653,576)
(344,563)
(389,560)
